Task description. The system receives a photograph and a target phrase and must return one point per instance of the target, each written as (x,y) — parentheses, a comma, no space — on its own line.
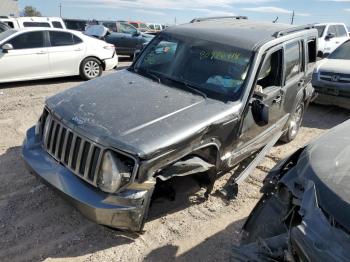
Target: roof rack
(292,30)
(197,20)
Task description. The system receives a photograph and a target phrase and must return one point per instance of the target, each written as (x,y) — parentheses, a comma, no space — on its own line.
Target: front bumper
(332,93)
(125,210)
(111,62)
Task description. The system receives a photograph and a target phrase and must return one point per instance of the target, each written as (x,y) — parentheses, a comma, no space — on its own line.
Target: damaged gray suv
(199,99)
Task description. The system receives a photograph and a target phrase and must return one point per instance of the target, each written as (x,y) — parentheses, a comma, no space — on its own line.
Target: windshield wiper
(190,86)
(149,73)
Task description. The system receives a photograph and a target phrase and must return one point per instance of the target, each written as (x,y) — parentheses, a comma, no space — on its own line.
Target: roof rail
(196,20)
(293,30)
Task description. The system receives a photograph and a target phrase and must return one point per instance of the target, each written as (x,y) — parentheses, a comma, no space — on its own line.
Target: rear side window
(61,38)
(312,52)
(151,26)
(57,24)
(77,40)
(35,24)
(292,60)
(341,31)
(28,40)
(10,24)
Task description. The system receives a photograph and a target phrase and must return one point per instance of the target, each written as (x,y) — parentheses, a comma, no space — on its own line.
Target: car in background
(304,213)
(126,38)
(156,27)
(21,22)
(142,27)
(330,36)
(3,27)
(331,78)
(76,24)
(39,53)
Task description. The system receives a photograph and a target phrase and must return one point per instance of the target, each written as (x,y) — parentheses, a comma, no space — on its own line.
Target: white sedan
(39,53)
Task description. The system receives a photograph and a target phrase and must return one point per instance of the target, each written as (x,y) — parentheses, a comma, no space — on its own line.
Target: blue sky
(165,11)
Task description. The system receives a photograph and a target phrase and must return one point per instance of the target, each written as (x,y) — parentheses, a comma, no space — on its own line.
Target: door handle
(277,100)
(78,49)
(301,82)
(41,53)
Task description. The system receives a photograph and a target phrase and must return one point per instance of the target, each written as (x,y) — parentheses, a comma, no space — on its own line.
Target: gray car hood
(326,163)
(136,114)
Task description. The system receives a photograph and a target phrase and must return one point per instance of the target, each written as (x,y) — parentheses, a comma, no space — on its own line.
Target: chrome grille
(335,77)
(78,154)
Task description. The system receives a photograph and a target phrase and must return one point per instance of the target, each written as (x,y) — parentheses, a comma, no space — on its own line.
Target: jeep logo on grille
(335,78)
(77,120)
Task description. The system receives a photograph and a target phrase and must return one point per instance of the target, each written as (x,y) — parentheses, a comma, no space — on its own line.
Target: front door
(269,90)
(28,59)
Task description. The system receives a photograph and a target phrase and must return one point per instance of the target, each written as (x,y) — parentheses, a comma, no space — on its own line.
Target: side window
(151,27)
(271,71)
(126,28)
(332,30)
(135,25)
(292,58)
(61,38)
(312,53)
(36,24)
(341,32)
(28,40)
(10,24)
(57,24)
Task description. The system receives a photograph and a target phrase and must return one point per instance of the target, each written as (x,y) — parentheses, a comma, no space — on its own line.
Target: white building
(9,8)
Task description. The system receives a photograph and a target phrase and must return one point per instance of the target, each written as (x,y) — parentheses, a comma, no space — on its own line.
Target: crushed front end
(97,180)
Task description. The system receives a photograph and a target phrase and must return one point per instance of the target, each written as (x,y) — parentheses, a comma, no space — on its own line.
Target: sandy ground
(36,224)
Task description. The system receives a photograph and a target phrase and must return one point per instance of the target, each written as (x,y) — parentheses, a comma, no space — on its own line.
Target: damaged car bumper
(111,62)
(124,210)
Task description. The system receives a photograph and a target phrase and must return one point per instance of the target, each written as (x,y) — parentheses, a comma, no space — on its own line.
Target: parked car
(331,78)
(126,38)
(330,36)
(21,22)
(3,27)
(142,27)
(76,24)
(304,214)
(38,53)
(199,99)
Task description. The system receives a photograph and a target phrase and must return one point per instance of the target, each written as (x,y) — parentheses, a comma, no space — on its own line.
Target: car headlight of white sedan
(116,171)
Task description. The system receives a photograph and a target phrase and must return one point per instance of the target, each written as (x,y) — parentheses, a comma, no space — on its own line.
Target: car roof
(329,24)
(244,34)
(32,29)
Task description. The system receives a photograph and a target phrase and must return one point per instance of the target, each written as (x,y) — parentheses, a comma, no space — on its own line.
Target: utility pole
(60,10)
(293,17)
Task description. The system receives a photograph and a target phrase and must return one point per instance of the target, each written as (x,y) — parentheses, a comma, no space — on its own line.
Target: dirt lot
(36,224)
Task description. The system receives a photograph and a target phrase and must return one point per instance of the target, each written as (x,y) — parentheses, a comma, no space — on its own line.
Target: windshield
(6,34)
(209,67)
(320,29)
(342,52)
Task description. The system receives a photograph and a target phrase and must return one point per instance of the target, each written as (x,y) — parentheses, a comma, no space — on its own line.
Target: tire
(294,123)
(90,68)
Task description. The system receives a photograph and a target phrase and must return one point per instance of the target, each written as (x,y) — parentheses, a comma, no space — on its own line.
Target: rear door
(294,73)
(28,59)
(66,51)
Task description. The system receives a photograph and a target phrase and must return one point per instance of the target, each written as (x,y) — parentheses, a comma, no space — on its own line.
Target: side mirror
(6,47)
(260,112)
(330,36)
(136,33)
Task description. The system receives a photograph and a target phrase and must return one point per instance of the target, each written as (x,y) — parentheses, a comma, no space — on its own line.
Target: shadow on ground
(204,251)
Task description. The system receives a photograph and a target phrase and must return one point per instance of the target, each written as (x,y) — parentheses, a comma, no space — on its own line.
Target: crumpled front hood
(134,113)
(326,163)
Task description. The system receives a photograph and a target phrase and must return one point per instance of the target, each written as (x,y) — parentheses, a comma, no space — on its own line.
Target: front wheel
(294,123)
(90,68)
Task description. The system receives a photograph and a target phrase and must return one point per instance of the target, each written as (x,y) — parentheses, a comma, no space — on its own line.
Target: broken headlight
(115,172)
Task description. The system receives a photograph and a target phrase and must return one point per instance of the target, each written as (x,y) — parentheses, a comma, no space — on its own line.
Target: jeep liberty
(199,99)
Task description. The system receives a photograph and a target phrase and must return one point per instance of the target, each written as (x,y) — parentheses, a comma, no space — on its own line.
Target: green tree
(31,11)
